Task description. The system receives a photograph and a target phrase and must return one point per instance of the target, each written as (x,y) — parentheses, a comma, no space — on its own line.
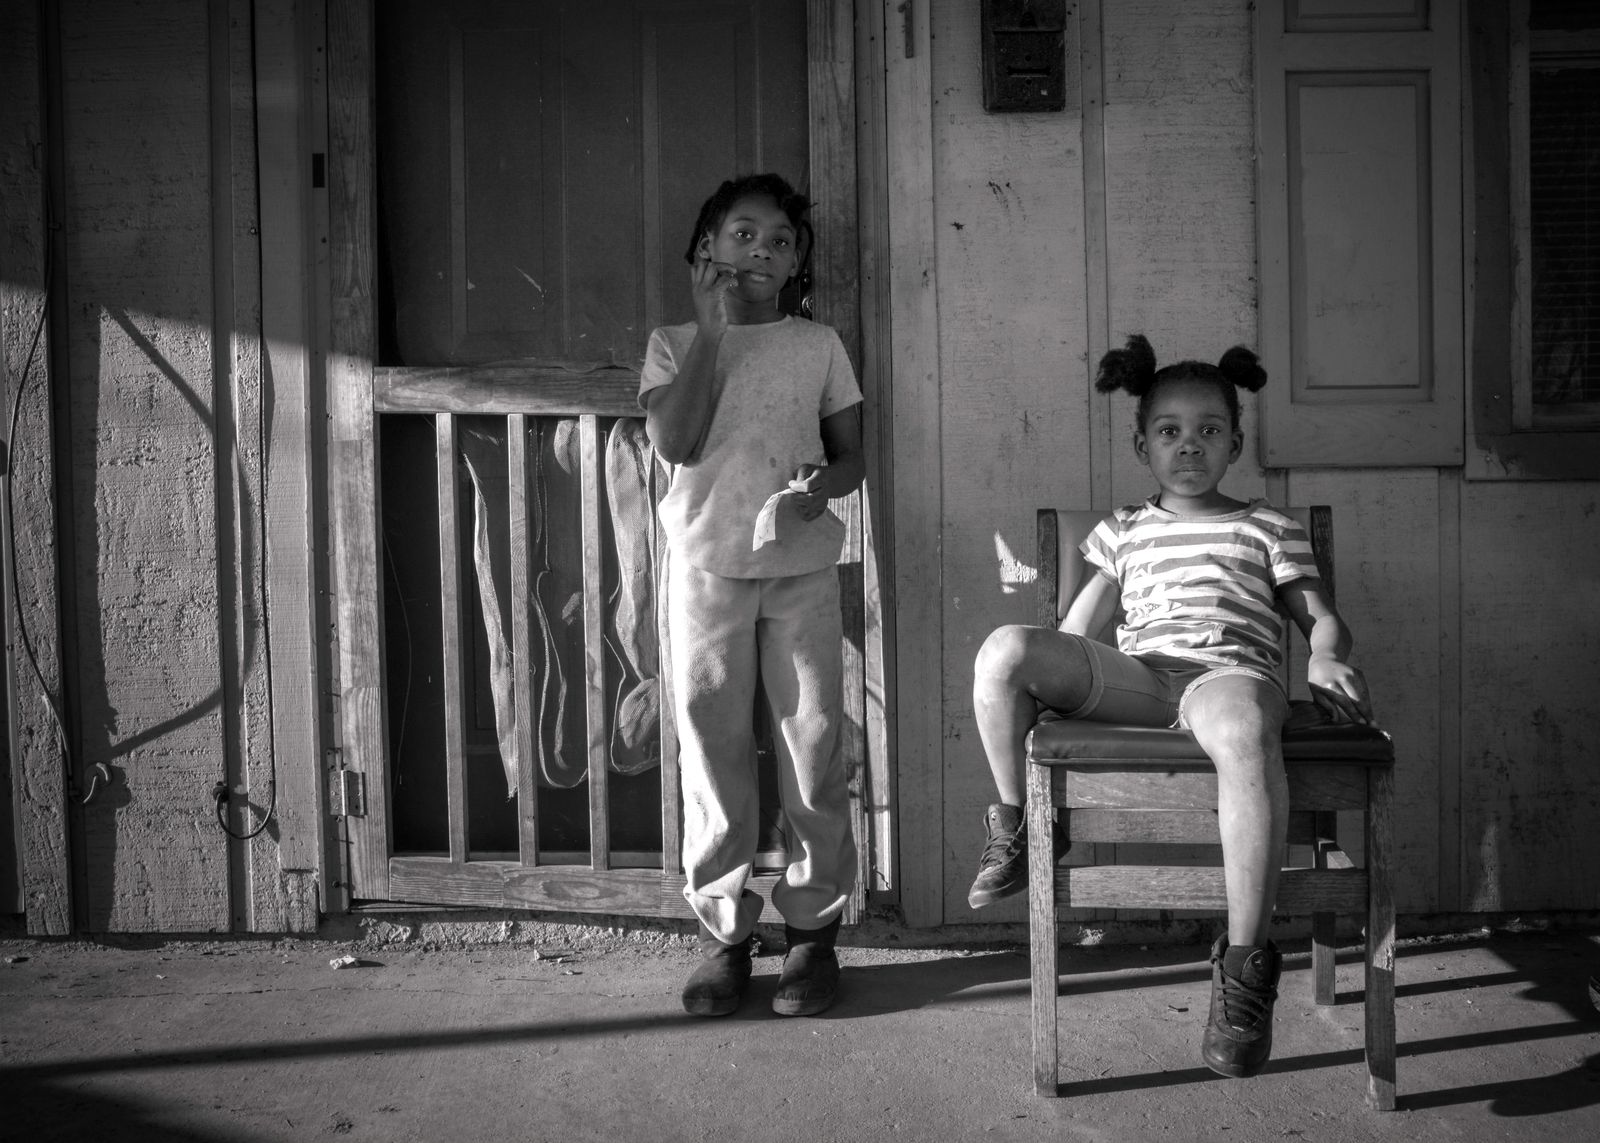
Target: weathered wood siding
(1474,604)
(1034,242)
(1009,217)
(34,797)
(144,601)
(1529,791)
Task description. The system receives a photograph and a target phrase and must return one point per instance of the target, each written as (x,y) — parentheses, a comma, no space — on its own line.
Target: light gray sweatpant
(720,630)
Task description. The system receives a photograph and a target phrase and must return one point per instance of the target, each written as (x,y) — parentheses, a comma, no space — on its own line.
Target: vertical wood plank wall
(877,424)
(238,366)
(149,675)
(287,882)
(1015,249)
(181,430)
(915,446)
(1009,240)
(35,798)
(1473,603)
(352,436)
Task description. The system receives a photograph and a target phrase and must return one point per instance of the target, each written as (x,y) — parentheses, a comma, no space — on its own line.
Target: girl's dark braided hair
(796,293)
(1133,370)
(793,204)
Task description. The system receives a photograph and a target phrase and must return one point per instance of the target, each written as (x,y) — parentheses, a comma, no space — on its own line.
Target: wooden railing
(540,874)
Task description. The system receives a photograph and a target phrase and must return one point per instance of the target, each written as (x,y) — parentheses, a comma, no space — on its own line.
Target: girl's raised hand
(710,282)
(1339,689)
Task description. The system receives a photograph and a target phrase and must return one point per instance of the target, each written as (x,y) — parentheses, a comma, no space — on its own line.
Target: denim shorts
(1139,692)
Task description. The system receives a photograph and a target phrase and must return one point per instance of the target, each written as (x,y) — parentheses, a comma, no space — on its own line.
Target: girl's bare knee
(1245,759)
(1242,745)
(1004,655)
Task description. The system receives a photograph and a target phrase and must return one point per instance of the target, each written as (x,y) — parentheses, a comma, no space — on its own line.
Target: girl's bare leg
(1018,669)
(1238,721)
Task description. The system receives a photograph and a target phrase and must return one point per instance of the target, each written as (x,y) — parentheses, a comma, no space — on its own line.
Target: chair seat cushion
(1306,738)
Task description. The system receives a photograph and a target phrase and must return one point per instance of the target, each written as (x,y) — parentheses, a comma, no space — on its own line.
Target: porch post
(918,486)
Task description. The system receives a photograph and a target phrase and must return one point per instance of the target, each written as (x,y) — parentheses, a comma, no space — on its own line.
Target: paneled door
(511,190)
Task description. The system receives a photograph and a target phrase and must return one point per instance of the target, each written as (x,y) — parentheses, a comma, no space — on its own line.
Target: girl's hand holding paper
(806,494)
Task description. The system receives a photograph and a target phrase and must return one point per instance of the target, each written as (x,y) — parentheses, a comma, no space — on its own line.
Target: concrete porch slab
(241,1040)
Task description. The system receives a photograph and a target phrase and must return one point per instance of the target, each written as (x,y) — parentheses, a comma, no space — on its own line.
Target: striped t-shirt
(1201,589)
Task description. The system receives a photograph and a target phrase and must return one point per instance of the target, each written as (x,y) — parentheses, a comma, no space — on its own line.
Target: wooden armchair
(1119,785)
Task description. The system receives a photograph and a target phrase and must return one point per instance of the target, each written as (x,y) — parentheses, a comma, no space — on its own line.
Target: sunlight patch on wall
(1014,574)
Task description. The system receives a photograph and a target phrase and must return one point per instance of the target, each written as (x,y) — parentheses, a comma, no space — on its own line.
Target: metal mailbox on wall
(1024,55)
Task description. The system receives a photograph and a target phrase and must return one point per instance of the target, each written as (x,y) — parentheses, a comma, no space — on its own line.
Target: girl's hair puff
(774,186)
(1133,370)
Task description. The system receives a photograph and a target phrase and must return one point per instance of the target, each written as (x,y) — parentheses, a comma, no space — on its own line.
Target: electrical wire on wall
(101,772)
(220,793)
(243,514)
(222,796)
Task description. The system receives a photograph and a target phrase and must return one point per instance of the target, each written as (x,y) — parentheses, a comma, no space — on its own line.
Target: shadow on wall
(137,787)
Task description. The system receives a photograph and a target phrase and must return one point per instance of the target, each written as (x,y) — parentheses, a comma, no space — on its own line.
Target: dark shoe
(810,976)
(720,980)
(1244,984)
(1003,868)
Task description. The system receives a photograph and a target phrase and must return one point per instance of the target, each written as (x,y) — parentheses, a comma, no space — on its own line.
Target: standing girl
(755,406)
(1199,576)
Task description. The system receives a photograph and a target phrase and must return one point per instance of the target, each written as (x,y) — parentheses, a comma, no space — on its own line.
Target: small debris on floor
(346,961)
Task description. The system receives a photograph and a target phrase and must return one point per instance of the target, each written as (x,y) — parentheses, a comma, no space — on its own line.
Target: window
(1535,227)
(1555,93)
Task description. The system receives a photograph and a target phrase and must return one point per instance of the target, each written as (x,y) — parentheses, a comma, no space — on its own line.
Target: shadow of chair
(1127,791)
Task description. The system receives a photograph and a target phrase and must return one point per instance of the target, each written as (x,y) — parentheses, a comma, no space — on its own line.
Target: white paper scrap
(767,518)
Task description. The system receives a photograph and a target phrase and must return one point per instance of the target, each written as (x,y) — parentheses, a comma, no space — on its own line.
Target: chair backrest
(1062,566)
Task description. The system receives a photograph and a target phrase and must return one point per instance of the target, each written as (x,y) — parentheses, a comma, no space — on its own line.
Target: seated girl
(1199,575)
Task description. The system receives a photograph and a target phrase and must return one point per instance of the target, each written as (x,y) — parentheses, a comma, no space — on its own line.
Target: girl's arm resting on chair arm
(1337,687)
(1092,607)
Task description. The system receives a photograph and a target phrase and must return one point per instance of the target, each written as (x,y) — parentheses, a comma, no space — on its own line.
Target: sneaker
(1244,985)
(1003,868)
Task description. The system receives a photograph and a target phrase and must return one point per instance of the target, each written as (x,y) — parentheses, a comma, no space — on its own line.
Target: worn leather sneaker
(720,980)
(1244,985)
(1003,867)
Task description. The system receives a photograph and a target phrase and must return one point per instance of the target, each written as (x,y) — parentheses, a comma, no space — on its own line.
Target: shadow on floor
(41,1099)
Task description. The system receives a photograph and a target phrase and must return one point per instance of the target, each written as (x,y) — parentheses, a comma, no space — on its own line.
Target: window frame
(1581,49)
(1505,439)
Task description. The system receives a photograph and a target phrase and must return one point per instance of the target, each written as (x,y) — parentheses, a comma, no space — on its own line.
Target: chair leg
(1324,943)
(1323,950)
(1042,938)
(1379,1015)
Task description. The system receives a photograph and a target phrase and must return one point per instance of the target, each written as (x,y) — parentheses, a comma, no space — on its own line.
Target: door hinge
(348,797)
